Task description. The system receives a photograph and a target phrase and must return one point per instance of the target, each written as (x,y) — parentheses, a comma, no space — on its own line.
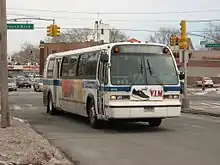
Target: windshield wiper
(141,72)
(151,70)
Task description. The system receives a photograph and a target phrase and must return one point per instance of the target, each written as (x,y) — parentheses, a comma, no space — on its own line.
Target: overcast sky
(67,18)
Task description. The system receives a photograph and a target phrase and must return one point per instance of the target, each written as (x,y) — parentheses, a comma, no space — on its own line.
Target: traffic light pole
(5,118)
(185,100)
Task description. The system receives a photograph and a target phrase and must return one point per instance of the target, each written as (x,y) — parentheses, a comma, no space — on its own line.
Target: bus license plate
(149,109)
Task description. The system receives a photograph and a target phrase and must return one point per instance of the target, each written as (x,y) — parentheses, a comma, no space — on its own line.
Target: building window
(102,31)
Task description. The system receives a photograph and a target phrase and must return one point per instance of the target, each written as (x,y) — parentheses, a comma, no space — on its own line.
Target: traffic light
(173,40)
(177,41)
(49,30)
(53,30)
(183,35)
(58,31)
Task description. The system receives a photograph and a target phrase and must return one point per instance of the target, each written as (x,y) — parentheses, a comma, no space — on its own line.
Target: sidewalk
(21,145)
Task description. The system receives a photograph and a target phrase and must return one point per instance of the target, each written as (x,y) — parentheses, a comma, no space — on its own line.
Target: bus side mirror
(182,75)
(104,57)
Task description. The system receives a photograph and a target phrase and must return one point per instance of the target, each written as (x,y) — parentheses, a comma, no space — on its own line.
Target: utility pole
(184,47)
(5,118)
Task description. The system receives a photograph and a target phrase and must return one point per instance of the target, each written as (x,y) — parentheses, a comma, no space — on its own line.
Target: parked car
(38,85)
(12,84)
(23,82)
(207,81)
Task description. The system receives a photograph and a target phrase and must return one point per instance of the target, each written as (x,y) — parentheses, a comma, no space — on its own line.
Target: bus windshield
(134,69)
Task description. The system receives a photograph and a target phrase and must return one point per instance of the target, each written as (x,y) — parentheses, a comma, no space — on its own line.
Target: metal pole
(5,119)
(185,101)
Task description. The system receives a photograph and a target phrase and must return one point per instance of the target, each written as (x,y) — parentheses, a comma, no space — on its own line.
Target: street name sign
(12,26)
(217,45)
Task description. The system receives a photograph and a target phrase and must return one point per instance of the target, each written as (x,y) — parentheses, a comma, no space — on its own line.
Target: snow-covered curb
(199,112)
(20,144)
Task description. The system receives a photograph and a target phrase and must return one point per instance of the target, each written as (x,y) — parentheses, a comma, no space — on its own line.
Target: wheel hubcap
(50,106)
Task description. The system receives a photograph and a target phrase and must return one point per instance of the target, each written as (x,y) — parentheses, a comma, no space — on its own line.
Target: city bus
(122,81)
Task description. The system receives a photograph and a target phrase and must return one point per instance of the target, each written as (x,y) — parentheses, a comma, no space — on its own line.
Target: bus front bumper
(135,112)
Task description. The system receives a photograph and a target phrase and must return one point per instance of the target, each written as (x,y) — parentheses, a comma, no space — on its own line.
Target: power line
(118,13)
(122,29)
(116,20)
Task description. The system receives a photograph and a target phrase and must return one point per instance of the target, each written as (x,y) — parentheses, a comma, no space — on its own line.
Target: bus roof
(99,47)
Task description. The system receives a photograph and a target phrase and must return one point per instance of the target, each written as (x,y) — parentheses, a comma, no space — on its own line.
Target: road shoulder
(200,112)
(20,144)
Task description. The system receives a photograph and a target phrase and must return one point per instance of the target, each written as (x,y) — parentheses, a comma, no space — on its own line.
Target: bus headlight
(119,97)
(171,96)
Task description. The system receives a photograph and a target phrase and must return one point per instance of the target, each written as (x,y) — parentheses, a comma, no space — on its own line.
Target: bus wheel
(94,122)
(50,107)
(155,122)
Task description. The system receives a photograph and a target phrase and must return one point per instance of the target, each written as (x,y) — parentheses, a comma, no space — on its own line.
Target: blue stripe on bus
(128,88)
(52,82)
(106,88)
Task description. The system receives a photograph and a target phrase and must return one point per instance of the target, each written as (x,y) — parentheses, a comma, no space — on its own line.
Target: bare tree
(28,54)
(117,36)
(81,35)
(163,35)
(72,35)
(213,32)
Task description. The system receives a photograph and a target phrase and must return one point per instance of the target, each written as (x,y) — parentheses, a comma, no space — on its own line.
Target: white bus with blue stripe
(119,81)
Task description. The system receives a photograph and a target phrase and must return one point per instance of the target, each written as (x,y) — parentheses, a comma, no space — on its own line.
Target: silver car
(12,84)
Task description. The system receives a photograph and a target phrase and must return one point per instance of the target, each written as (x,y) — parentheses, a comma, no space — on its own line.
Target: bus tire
(50,107)
(155,122)
(94,122)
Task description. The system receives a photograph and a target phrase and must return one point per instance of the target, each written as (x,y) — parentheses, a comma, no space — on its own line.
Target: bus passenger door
(102,76)
(57,90)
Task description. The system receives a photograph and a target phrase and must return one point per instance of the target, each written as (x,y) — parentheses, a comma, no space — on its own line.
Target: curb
(199,112)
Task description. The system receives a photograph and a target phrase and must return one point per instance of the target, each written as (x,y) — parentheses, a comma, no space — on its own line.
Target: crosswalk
(16,107)
(213,107)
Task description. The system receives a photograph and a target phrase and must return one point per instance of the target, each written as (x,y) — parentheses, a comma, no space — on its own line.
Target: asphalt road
(188,140)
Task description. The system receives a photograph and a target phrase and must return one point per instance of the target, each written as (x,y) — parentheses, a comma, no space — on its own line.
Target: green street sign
(217,45)
(12,26)
(203,42)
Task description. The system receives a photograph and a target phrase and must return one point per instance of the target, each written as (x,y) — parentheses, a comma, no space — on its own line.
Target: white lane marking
(16,107)
(205,104)
(216,104)
(197,126)
(193,125)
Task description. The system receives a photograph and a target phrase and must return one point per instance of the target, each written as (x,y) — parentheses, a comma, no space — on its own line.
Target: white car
(207,81)
(12,85)
(38,85)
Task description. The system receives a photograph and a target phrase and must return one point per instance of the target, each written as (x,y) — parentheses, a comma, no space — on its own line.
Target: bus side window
(64,67)
(50,68)
(58,68)
(72,66)
(91,66)
(82,65)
